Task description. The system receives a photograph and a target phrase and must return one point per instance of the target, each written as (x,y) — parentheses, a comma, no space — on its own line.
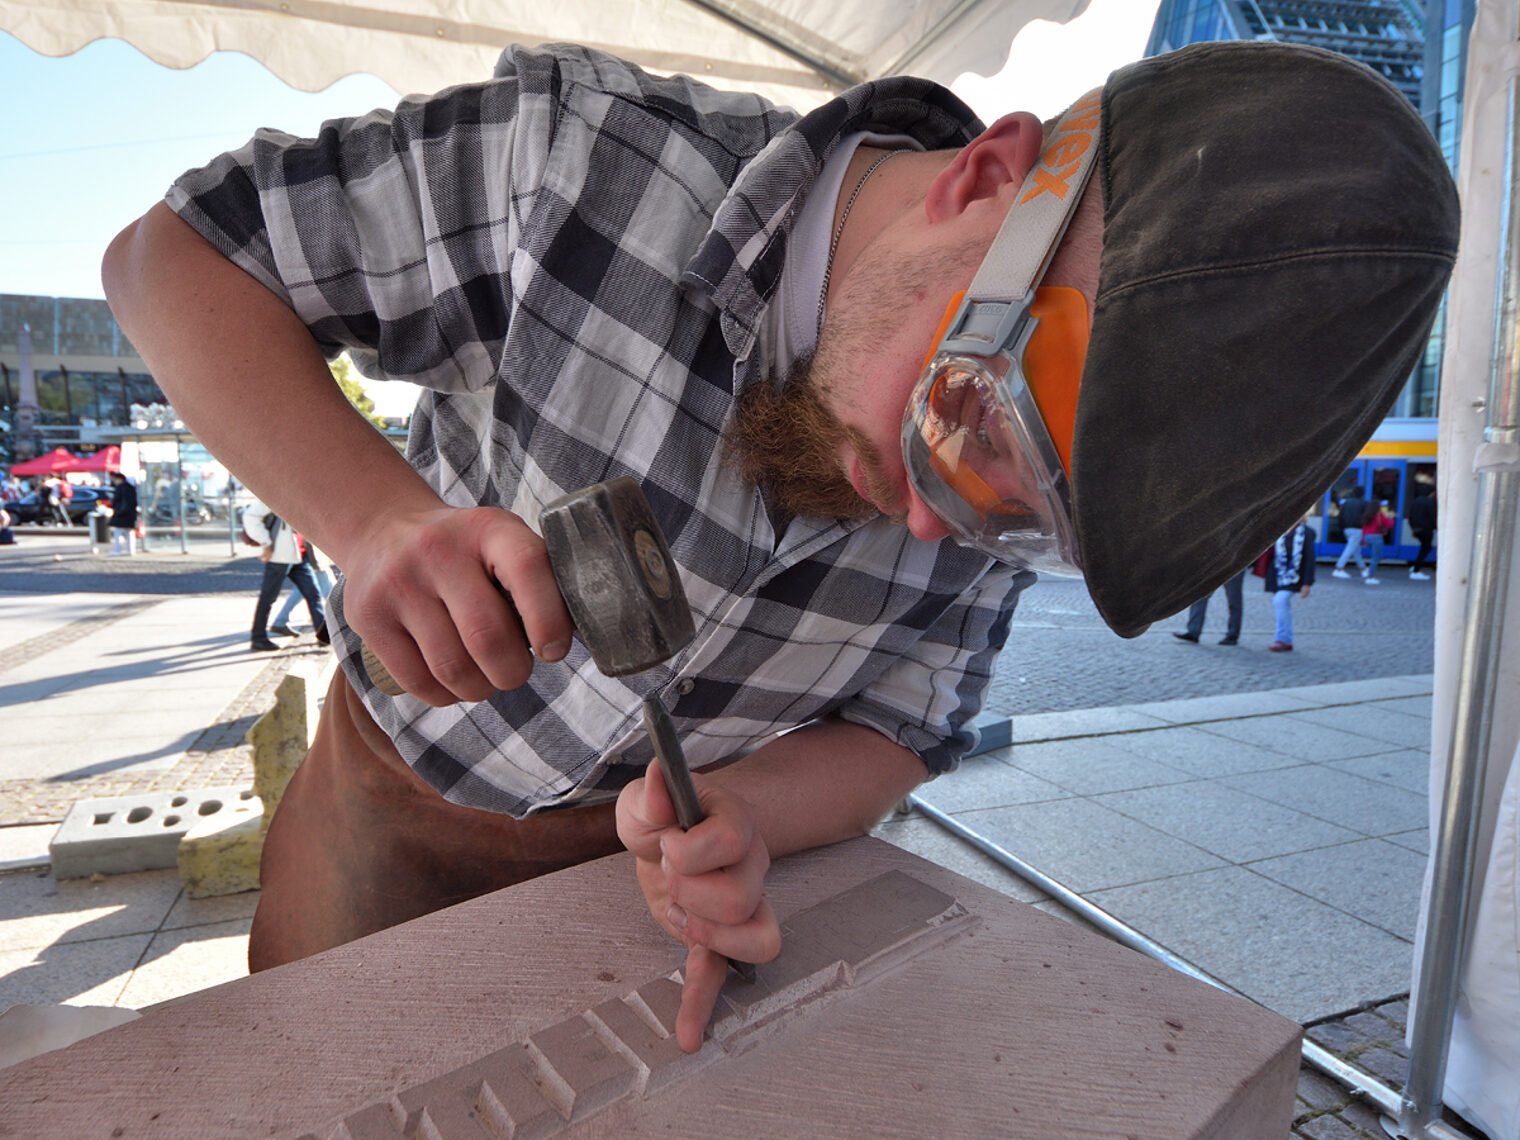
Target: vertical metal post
(1453,852)
(179,484)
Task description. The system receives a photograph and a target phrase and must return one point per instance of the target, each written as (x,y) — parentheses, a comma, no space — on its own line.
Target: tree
(348,380)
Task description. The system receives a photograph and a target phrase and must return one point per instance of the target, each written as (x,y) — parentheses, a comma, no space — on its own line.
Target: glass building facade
(87,373)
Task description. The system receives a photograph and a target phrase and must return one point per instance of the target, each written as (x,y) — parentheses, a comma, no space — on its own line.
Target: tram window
(1348,482)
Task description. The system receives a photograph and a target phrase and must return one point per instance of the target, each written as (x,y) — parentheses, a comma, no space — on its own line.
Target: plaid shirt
(573,260)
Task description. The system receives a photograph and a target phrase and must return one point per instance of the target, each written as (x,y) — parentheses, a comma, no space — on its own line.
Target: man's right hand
(455,602)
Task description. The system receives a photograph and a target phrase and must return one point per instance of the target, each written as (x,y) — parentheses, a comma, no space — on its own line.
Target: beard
(784,440)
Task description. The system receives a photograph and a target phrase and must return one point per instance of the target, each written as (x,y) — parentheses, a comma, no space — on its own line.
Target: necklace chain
(828,267)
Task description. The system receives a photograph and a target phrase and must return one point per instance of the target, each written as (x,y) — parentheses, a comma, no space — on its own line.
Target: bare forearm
(821,784)
(246,376)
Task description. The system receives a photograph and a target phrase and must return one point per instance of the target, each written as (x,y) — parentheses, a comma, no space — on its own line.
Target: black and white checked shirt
(573,260)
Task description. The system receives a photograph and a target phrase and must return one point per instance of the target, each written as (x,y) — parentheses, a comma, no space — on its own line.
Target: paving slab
(1376,721)
(1369,689)
(1375,881)
(1228,706)
(1191,750)
(1368,807)
(1298,738)
(24,845)
(1122,679)
(25,617)
(187,960)
(1225,821)
(1088,766)
(929,841)
(74,973)
(105,697)
(1086,846)
(40,911)
(1409,769)
(1417,841)
(1293,954)
(989,780)
(188,912)
(1413,706)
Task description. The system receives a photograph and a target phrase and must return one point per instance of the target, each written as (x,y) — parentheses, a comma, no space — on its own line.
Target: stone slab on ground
(136,833)
(1022,1026)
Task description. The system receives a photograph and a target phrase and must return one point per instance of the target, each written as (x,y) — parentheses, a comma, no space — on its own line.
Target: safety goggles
(976,445)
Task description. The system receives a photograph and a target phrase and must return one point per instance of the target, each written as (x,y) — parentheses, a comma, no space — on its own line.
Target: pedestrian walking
(1353,509)
(281,550)
(318,564)
(1375,531)
(1290,571)
(53,513)
(1422,521)
(1199,610)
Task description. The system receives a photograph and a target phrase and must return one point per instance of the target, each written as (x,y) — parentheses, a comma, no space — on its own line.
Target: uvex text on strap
(977,449)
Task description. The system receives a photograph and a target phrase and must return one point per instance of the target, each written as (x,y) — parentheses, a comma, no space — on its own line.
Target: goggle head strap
(996,306)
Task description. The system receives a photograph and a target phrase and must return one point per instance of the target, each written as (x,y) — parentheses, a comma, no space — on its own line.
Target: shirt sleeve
(390,235)
(926,699)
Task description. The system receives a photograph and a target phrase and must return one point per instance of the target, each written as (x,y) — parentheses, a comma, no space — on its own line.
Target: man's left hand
(705,886)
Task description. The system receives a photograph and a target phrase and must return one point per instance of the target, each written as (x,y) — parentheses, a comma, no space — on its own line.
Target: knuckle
(460,677)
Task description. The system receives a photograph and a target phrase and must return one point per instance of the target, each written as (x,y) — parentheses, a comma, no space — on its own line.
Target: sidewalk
(1275,839)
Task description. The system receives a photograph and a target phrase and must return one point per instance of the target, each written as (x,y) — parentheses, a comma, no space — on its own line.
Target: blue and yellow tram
(1397,465)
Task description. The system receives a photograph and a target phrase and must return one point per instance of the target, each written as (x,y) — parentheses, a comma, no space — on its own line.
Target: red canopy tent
(58,460)
(106,459)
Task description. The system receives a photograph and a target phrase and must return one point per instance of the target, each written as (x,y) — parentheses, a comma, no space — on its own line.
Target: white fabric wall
(1483,1073)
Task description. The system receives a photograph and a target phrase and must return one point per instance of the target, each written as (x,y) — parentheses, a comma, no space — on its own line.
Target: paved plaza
(1262,815)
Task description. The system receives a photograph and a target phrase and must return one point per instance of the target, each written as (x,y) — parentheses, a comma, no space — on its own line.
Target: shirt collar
(739,262)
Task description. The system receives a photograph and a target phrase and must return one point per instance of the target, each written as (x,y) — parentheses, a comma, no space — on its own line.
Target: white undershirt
(789,329)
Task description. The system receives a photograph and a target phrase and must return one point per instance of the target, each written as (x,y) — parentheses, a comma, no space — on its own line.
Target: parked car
(28,509)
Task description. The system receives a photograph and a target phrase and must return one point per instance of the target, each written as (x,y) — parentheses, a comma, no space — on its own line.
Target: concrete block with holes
(220,854)
(136,833)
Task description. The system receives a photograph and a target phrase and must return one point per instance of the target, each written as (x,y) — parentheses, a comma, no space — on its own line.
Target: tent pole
(1361,1084)
(1453,852)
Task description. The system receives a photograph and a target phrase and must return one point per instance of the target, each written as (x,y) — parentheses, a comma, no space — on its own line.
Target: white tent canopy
(797,52)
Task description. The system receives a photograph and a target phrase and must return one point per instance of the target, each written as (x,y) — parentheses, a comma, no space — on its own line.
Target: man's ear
(1005,152)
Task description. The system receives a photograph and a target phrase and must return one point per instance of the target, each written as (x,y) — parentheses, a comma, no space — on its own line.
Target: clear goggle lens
(978,455)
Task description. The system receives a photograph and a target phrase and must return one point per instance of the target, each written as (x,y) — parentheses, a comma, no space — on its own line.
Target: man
(1199,610)
(596,273)
(123,515)
(1354,510)
(283,553)
(1422,521)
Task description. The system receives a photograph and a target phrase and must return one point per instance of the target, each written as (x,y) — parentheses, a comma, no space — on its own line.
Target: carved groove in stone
(626,1046)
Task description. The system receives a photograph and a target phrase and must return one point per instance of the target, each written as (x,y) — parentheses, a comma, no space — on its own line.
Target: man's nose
(923,523)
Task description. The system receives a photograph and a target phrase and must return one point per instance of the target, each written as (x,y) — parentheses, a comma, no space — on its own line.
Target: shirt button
(686,686)
(614,758)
